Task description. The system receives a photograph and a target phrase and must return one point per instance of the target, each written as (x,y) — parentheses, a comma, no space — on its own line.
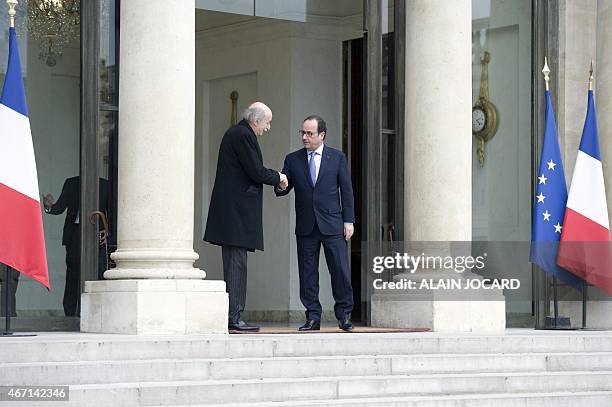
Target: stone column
(438,147)
(438,163)
(155,282)
(156,141)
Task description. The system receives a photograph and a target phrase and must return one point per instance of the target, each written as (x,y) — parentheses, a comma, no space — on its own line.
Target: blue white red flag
(22,243)
(585,241)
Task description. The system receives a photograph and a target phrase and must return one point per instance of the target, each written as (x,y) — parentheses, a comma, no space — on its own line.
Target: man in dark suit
(324,214)
(69,201)
(235,213)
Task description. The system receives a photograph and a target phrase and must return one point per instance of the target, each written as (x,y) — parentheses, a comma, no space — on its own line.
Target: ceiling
(298,10)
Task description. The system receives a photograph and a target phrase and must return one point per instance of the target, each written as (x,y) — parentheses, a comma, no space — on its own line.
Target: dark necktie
(312,168)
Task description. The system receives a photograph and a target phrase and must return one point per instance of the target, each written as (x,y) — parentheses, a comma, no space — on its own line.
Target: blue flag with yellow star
(549,205)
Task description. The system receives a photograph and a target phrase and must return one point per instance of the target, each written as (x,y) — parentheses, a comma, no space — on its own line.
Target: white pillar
(156,141)
(438,145)
(155,288)
(438,162)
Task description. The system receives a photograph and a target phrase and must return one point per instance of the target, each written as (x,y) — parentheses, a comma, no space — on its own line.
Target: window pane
(501,195)
(109,84)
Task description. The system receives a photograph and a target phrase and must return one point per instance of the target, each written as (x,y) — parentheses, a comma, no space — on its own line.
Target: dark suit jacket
(235,213)
(70,199)
(330,201)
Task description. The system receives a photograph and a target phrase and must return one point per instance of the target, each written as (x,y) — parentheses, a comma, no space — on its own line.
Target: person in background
(69,201)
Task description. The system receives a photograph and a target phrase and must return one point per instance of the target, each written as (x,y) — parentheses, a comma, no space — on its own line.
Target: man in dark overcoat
(235,213)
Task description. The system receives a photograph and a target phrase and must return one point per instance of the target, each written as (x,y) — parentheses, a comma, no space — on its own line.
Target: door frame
(545,42)
(372,175)
(90,107)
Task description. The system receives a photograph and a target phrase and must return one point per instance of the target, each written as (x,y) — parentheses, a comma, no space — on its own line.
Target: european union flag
(549,207)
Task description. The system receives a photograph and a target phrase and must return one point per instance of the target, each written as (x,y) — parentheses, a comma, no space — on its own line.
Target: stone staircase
(520,368)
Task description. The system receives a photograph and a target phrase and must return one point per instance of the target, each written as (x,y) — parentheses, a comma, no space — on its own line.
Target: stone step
(81,347)
(128,371)
(560,399)
(334,388)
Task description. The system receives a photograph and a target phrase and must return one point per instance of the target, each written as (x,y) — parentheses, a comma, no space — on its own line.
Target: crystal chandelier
(54,23)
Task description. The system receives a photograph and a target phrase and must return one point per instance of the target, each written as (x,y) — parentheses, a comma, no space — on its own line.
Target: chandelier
(54,23)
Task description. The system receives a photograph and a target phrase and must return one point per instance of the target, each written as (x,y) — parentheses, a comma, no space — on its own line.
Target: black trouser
(72,291)
(336,256)
(235,276)
(12,290)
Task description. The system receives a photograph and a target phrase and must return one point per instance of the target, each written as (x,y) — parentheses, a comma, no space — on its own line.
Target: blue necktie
(312,168)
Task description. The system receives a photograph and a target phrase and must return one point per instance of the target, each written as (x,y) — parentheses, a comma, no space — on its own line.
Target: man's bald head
(259,117)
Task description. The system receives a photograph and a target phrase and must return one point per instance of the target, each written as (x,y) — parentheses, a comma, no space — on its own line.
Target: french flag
(585,240)
(22,244)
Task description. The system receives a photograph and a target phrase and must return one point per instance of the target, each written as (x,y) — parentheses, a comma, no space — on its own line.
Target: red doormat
(331,329)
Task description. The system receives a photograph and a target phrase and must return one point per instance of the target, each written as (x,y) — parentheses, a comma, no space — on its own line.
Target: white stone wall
(603,90)
(577,47)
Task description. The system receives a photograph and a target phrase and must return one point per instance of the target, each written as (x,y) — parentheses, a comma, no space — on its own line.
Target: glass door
(99,136)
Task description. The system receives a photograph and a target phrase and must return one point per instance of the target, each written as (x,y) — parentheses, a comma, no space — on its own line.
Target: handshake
(284,182)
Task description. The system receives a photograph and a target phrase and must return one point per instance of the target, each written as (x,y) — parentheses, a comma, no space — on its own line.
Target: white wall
(577,47)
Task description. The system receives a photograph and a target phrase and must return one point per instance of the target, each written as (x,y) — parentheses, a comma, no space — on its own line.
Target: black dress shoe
(310,325)
(242,327)
(345,325)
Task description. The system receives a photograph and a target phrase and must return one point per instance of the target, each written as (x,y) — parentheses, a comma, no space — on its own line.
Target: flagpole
(555,303)
(554,322)
(7,276)
(7,301)
(12,4)
(584,286)
(546,72)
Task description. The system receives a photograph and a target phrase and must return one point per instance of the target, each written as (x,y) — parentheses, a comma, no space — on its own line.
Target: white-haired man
(235,213)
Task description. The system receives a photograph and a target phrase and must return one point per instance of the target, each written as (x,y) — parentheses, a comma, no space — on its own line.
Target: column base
(154,307)
(598,313)
(449,310)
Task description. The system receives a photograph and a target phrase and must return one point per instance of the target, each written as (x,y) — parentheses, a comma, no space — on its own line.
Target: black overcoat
(235,212)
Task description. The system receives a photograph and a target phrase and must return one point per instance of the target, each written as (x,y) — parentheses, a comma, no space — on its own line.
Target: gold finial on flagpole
(546,72)
(12,4)
(12,12)
(591,77)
